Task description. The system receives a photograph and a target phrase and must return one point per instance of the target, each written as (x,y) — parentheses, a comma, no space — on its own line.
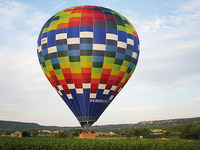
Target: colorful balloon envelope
(88,53)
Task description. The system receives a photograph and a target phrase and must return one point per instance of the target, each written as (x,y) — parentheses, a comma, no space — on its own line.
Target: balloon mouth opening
(87,124)
(88,121)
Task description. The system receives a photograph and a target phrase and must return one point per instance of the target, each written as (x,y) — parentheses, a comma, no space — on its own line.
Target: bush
(9,132)
(63,134)
(191,131)
(35,133)
(26,134)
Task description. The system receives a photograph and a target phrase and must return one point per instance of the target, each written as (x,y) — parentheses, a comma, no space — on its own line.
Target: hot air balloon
(88,53)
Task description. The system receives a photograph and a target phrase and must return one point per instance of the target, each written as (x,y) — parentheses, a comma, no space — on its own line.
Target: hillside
(156,123)
(170,122)
(13,125)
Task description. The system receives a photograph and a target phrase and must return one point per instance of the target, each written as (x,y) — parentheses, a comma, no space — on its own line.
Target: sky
(165,84)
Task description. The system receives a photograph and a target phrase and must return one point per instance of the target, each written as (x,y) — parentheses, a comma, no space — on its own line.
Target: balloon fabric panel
(88,53)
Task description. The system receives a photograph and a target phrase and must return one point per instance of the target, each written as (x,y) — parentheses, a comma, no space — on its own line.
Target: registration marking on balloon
(98,100)
(88,53)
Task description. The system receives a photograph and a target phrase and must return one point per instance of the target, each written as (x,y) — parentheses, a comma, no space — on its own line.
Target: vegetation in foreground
(53,143)
(127,139)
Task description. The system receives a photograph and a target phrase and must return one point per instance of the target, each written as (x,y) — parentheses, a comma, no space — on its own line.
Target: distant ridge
(14,125)
(155,123)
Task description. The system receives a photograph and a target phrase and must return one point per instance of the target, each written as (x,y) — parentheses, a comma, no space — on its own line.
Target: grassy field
(52,143)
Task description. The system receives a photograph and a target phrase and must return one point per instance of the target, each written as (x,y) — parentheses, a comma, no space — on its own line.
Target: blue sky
(165,84)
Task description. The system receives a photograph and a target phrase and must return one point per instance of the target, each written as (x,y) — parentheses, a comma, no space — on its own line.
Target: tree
(63,134)
(26,134)
(129,135)
(35,133)
(76,132)
(195,132)
(144,131)
(191,131)
(137,132)
(8,132)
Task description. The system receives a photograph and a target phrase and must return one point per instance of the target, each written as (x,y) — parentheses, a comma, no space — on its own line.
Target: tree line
(188,131)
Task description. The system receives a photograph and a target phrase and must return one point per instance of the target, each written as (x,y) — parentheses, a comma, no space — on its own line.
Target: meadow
(53,143)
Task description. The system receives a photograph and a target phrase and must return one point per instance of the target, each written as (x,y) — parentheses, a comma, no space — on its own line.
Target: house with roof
(16,134)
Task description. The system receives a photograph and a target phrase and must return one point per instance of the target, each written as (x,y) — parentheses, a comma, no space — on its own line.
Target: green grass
(52,143)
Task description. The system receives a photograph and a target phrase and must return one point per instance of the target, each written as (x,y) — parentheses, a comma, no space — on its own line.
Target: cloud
(11,11)
(192,6)
(169,48)
(20,69)
(17,15)
(18,48)
(153,25)
(196,99)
